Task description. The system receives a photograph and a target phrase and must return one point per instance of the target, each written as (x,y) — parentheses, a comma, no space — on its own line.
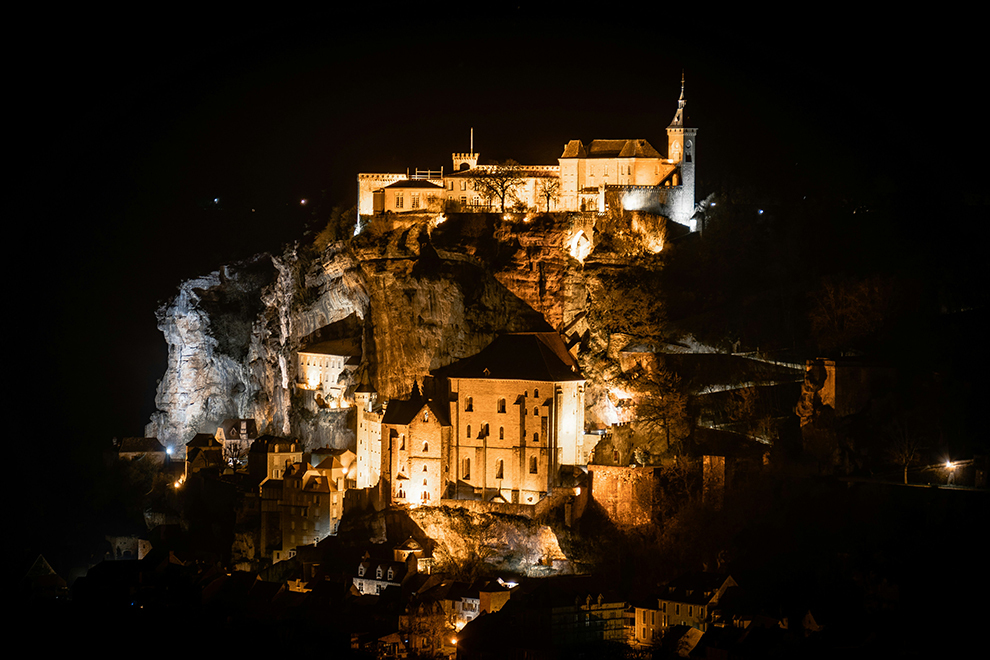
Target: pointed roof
(678,121)
(535,356)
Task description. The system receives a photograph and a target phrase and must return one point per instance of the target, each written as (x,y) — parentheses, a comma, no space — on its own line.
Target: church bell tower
(680,151)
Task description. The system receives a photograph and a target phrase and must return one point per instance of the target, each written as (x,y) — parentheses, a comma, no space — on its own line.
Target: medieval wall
(628,495)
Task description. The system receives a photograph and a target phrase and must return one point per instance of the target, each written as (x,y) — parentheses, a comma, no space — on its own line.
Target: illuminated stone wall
(510,435)
(628,495)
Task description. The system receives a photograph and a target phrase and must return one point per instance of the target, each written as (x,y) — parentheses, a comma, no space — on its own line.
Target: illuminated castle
(592,177)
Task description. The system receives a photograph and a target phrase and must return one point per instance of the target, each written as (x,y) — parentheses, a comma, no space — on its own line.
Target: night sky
(133,130)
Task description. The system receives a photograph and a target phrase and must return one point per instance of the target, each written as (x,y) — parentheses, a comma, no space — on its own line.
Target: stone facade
(588,177)
(627,494)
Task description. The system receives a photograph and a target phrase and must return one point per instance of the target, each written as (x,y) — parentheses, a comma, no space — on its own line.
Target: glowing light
(302,202)
(949,465)
(580,247)
(459,625)
(759,212)
(507,217)
(453,640)
(439,220)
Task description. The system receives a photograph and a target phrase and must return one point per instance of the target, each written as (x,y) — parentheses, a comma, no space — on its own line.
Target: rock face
(232,337)
(426,295)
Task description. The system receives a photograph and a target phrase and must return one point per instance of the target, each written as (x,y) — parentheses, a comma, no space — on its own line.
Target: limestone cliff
(425,295)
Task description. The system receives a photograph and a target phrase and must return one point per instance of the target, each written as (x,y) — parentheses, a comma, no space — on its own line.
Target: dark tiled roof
(610,149)
(574,149)
(414,183)
(536,356)
(205,441)
(403,412)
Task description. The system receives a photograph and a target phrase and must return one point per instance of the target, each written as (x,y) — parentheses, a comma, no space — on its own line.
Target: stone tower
(680,150)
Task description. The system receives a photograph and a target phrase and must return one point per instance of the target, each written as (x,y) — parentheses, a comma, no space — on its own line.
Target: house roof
(203,441)
(414,183)
(232,427)
(534,356)
(635,148)
(697,588)
(403,412)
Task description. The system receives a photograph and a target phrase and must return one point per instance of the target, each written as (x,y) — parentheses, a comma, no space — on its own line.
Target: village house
(688,600)
(236,436)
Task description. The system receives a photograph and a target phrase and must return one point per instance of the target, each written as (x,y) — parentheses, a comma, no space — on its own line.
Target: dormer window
(378,573)
(391,574)
(360,571)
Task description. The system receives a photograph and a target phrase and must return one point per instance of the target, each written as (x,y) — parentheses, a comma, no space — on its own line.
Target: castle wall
(628,495)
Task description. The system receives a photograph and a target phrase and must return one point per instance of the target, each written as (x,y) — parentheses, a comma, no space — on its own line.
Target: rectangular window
(415,201)
(398,201)
(466,472)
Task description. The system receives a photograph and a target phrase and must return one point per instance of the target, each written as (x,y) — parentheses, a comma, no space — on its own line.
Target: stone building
(517,416)
(270,457)
(415,434)
(236,436)
(324,368)
(369,436)
(630,172)
(311,506)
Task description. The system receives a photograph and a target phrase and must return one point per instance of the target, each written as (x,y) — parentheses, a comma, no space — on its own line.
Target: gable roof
(414,183)
(536,356)
(401,412)
(635,148)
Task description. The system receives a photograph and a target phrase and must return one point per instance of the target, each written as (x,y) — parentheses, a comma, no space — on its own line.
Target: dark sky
(134,131)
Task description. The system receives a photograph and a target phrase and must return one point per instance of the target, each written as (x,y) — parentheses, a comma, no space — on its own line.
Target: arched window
(536,394)
(426,415)
(501,433)
(536,437)
(536,412)
(424,468)
(426,447)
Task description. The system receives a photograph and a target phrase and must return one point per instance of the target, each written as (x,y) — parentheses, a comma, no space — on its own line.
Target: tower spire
(679,115)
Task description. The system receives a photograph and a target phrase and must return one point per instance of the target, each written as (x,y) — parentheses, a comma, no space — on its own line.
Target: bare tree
(549,189)
(498,181)
(662,406)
